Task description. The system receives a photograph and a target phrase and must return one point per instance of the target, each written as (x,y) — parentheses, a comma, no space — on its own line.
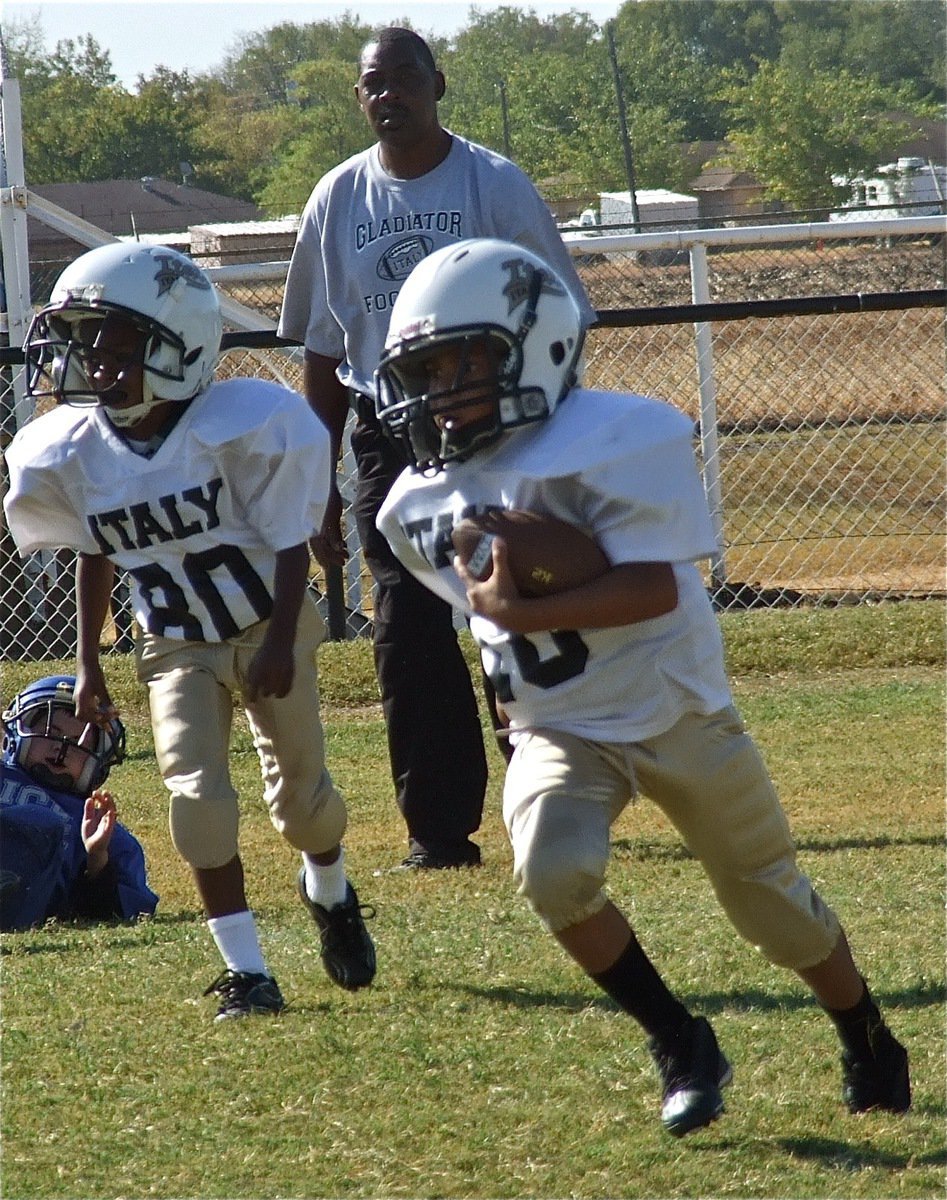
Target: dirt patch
(769,273)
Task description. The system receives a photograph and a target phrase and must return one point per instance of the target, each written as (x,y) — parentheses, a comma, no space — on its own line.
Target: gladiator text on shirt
(367,232)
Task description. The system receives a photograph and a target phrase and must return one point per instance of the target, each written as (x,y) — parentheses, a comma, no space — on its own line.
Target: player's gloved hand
(328,545)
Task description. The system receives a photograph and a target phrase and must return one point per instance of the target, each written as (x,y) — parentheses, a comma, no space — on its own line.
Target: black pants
(435,743)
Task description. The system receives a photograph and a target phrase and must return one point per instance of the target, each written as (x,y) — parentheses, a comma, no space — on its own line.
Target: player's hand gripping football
(623,595)
(497,597)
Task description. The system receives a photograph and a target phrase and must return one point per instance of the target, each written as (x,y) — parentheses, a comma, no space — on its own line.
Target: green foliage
(795,130)
(800,88)
(79,124)
(263,65)
(482,1063)
(672,55)
(326,127)
(898,43)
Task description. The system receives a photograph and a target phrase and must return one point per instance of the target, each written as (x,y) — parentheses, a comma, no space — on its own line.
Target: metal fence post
(700,292)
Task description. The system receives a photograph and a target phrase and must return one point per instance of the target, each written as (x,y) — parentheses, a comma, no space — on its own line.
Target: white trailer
(657,207)
(910,187)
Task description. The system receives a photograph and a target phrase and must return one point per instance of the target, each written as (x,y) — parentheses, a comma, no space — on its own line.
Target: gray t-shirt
(363,231)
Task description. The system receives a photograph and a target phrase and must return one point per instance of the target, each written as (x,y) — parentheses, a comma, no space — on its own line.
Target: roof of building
(137,206)
(713,179)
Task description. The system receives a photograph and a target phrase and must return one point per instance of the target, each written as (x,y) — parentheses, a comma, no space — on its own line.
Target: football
(546,555)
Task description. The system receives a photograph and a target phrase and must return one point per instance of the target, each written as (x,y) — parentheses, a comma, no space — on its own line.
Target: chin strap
(123,418)
(532,303)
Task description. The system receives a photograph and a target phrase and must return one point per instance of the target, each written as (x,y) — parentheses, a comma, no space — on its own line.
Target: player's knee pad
(310,819)
(563,888)
(778,911)
(204,832)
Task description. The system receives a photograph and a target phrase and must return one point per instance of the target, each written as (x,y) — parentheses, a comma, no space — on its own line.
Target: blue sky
(143,34)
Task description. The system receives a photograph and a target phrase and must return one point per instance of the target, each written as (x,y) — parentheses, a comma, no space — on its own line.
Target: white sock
(326,885)
(237,941)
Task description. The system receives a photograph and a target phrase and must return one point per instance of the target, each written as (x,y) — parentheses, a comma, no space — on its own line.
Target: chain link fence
(828,439)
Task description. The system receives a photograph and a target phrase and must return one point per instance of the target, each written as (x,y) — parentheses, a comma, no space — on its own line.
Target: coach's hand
(328,546)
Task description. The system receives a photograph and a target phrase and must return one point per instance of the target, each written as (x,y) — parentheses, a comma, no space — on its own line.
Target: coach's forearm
(327,396)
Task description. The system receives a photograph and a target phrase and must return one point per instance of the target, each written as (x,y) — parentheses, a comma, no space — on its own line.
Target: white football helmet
(482,297)
(161,292)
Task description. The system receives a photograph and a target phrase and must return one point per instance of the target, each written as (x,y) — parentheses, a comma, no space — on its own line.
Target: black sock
(856,1026)
(634,984)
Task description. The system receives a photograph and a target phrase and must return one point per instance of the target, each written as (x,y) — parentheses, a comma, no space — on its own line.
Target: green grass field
(482,1063)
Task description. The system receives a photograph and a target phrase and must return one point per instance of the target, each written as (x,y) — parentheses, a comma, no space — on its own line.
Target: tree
(798,86)
(235,143)
(672,55)
(59,93)
(551,78)
(109,133)
(263,64)
(326,128)
(795,130)
(24,49)
(899,43)
(85,60)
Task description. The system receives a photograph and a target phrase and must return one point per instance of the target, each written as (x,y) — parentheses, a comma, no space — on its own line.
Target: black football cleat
(245,992)
(348,953)
(441,858)
(692,1074)
(881,1081)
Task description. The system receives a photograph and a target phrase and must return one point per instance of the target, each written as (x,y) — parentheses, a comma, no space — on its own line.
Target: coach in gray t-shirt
(368,222)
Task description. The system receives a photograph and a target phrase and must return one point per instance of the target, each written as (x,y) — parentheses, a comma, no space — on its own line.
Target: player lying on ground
(615,685)
(206,494)
(63,853)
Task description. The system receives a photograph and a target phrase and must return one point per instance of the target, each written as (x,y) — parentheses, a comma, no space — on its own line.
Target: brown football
(546,554)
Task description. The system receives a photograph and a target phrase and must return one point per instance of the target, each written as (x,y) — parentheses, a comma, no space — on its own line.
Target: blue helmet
(31,715)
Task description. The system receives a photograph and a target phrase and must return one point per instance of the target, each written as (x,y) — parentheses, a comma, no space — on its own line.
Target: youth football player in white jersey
(205,493)
(614,686)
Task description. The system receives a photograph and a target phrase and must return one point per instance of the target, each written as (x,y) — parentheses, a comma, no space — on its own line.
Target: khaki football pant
(190,692)
(563,793)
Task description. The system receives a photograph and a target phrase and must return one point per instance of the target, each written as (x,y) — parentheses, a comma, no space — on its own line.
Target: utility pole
(506,119)
(623,126)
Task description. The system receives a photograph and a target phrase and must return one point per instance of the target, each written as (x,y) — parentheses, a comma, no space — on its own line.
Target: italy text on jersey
(213,575)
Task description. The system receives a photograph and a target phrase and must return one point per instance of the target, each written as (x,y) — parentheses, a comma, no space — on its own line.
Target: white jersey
(243,474)
(622,468)
(363,231)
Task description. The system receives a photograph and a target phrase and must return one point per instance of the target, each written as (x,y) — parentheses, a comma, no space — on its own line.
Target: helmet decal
(174,268)
(522,275)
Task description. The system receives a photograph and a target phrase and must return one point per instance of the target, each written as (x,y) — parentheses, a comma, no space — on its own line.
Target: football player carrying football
(615,685)
(205,493)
